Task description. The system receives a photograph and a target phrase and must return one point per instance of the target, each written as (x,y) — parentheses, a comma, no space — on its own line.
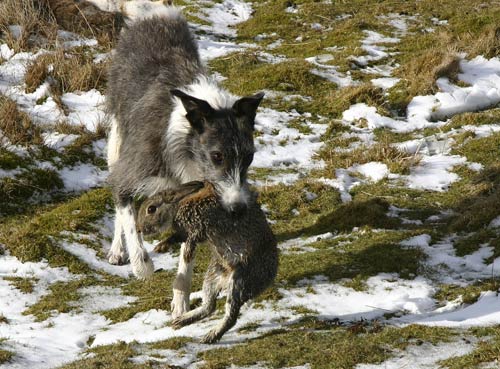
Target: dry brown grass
(38,27)
(16,125)
(67,71)
(40,20)
(85,18)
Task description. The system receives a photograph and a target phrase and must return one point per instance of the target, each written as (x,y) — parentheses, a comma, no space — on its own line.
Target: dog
(171,124)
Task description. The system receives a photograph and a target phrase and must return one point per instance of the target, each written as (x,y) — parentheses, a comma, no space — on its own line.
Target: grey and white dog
(172,124)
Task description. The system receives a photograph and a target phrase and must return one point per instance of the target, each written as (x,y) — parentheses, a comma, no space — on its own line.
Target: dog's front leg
(182,284)
(142,265)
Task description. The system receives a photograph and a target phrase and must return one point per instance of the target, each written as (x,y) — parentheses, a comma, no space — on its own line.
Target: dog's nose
(238,209)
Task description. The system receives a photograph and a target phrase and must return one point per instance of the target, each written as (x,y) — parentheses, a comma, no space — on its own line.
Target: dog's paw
(179,304)
(211,337)
(142,266)
(117,258)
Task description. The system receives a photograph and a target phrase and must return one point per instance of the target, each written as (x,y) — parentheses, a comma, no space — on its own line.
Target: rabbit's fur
(245,255)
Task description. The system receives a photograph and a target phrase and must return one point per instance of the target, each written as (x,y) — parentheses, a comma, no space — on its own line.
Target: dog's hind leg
(182,285)
(142,265)
(232,309)
(211,288)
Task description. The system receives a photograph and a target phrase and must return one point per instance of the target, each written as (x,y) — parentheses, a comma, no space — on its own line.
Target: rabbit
(244,249)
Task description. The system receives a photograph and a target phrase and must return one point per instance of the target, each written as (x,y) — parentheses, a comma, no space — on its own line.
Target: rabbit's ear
(187,189)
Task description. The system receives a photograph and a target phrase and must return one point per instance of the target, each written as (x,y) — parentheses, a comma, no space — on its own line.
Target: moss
(36,238)
(484,150)
(285,201)
(19,189)
(325,348)
(369,255)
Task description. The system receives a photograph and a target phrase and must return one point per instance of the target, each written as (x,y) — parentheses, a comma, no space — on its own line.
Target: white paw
(180,303)
(117,258)
(142,266)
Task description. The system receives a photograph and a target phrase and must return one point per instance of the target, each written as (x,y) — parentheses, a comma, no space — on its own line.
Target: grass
(323,347)
(35,238)
(487,351)
(25,285)
(16,125)
(367,240)
(67,71)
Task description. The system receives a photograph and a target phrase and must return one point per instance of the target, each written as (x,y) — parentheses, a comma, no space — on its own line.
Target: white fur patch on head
(204,88)
(231,191)
(142,9)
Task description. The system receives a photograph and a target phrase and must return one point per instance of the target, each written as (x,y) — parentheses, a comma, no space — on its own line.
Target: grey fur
(244,250)
(156,59)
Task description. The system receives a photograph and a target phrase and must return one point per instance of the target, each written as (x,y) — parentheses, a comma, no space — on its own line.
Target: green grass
(322,346)
(35,238)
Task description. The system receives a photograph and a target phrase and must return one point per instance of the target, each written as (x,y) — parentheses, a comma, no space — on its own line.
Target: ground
(377,166)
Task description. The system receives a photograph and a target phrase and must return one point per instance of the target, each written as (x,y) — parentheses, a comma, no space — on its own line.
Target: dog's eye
(217,157)
(151,209)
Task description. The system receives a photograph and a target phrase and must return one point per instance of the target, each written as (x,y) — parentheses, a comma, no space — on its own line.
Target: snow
(484,312)
(85,108)
(432,172)
(82,177)
(424,356)
(384,293)
(280,145)
(329,72)
(385,82)
(58,141)
(373,170)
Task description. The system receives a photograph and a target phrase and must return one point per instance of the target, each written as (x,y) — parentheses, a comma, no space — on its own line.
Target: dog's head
(222,145)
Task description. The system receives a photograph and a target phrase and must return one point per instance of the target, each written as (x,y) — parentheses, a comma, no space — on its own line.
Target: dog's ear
(197,110)
(246,107)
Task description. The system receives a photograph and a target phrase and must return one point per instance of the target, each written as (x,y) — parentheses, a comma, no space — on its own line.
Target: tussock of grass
(111,357)
(9,160)
(69,71)
(5,356)
(25,285)
(60,299)
(382,151)
(419,74)
(328,347)
(85,18)
(17,125)
(3,319)
(38,27)
(35,239)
